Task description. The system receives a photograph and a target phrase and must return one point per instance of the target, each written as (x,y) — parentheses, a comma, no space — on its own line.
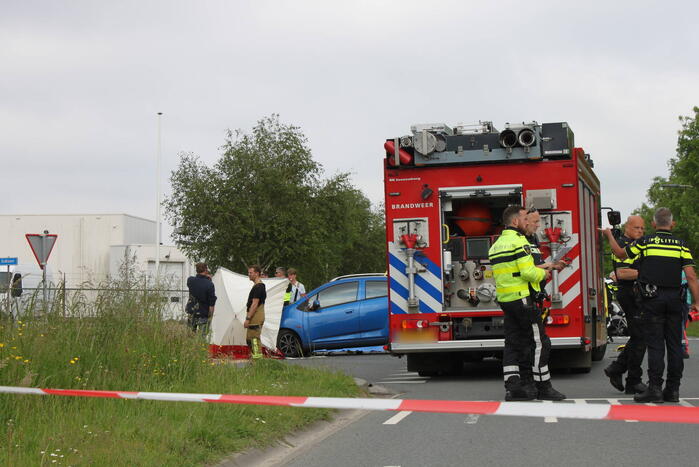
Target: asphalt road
(409,439)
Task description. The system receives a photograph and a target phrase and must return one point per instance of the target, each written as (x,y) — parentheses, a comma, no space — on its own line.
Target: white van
(28,287)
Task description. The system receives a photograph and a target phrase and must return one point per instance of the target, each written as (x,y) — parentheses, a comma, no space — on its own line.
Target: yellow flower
(2,345)
(18,357)
(72,362)
(26,361)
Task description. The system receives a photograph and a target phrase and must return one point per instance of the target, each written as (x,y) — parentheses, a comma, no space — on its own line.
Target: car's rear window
(375,289)
(340,293)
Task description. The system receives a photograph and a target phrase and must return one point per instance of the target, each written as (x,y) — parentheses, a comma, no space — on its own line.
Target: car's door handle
(348,311)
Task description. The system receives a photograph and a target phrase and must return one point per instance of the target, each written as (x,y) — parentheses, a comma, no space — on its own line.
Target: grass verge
(693,329)
(125,345)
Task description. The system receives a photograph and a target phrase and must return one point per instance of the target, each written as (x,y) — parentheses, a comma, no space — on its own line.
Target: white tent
(227,329)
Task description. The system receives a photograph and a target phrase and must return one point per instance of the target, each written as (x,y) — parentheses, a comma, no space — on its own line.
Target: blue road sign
(8,261)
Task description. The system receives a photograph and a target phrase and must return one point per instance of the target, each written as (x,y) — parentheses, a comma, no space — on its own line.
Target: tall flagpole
(157,204)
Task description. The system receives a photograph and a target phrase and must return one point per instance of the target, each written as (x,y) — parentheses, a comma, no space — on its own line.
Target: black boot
(546,392)
(615,378)
(514,391)
(671,395)
(637,388)
(529,386)
(652,394)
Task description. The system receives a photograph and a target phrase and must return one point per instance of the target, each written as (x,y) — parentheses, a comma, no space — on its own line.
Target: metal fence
(89,301)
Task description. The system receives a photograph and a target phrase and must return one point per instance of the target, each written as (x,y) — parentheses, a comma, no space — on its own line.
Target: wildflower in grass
(26,361)
(72,362)
(18,357)
(2,345)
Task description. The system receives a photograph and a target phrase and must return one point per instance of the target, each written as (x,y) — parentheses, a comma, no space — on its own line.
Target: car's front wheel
(289,344)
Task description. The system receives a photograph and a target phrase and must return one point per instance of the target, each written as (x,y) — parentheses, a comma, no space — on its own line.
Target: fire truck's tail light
(415,324)
(558,320)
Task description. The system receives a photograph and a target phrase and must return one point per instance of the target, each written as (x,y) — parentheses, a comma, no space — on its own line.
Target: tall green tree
(679,191)
(265,201)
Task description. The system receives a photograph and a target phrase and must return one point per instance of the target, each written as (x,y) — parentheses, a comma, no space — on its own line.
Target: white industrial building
(91,248)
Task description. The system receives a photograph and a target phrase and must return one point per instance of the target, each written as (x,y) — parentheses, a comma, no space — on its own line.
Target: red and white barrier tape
(643,413)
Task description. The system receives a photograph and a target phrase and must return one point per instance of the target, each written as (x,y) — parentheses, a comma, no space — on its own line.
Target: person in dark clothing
(625,275)
(203,293)
(662,258)
(255,314)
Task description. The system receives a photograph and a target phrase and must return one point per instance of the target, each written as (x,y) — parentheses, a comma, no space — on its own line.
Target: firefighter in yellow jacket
(515,272)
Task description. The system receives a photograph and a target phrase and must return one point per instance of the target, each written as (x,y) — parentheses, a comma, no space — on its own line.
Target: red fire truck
(445,191)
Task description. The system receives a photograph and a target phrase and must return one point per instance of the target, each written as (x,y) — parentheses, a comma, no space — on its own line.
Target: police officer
(280,273)
(625,275)
(542,344)
(513,269)
(662,258)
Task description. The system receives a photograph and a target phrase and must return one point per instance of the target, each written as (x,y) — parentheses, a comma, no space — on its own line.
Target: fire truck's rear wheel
(599,352)
(574,360)
(434,364)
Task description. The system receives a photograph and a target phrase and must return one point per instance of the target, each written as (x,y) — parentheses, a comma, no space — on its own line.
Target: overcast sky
(81,83)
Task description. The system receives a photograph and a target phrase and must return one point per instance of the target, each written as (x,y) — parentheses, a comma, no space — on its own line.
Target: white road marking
(408,377)
(685,403)
(402,382)
(549,419)
(472,419)
(580,401)
(397,417)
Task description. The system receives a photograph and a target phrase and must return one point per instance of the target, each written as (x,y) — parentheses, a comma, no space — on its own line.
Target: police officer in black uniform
(662,258)
(625,275)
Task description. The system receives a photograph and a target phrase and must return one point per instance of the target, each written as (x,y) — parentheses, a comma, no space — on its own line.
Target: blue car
(349,311)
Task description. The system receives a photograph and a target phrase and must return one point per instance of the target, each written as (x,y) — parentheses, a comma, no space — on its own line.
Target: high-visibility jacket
(287,294)
(513,266)
(662,258)
(628,263)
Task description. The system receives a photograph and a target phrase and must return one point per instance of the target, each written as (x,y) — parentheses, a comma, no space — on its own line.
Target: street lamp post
(157,204)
